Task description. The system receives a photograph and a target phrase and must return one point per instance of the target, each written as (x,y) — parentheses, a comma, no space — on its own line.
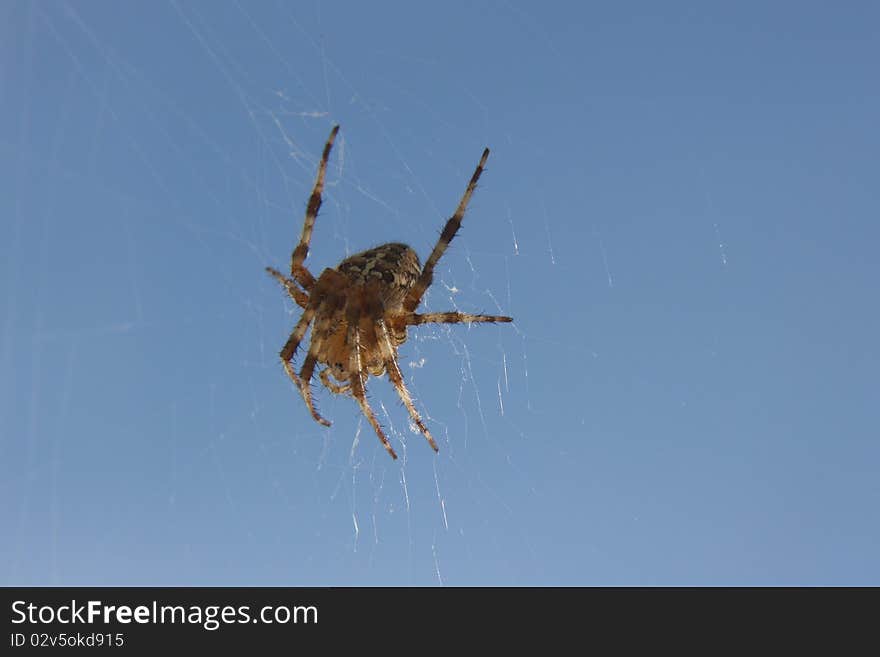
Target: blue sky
(680,212)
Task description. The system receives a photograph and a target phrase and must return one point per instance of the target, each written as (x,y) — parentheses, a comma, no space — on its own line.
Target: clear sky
(680,212)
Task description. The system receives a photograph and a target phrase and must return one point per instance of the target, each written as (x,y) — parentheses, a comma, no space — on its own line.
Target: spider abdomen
(394,265)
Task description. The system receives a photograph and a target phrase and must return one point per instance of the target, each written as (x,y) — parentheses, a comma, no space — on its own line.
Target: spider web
(153,387)
(678,211)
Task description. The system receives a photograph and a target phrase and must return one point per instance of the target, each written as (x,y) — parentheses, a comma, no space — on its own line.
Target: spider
(361,310)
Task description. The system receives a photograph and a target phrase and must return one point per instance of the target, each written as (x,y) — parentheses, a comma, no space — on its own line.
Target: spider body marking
(381,278)
(360,310)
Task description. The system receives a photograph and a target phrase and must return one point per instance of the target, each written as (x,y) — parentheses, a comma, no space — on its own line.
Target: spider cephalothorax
(361,310)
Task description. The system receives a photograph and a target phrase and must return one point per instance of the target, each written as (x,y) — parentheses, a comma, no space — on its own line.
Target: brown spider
(361,310)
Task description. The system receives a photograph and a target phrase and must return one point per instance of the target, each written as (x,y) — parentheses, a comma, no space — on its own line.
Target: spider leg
(302,275)
(414,296)
(293,341)
(356,382)
(319,334)
(394,374)
(414,319)
(331,386)
(301,298)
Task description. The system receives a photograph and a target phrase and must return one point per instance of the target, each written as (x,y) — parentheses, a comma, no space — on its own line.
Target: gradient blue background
(680,211)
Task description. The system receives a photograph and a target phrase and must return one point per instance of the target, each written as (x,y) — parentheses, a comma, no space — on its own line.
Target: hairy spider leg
(414,296)
(290,347)
(396,378)
(301,298)
(356,381)
(320,331)
(297,270)
(414,319)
